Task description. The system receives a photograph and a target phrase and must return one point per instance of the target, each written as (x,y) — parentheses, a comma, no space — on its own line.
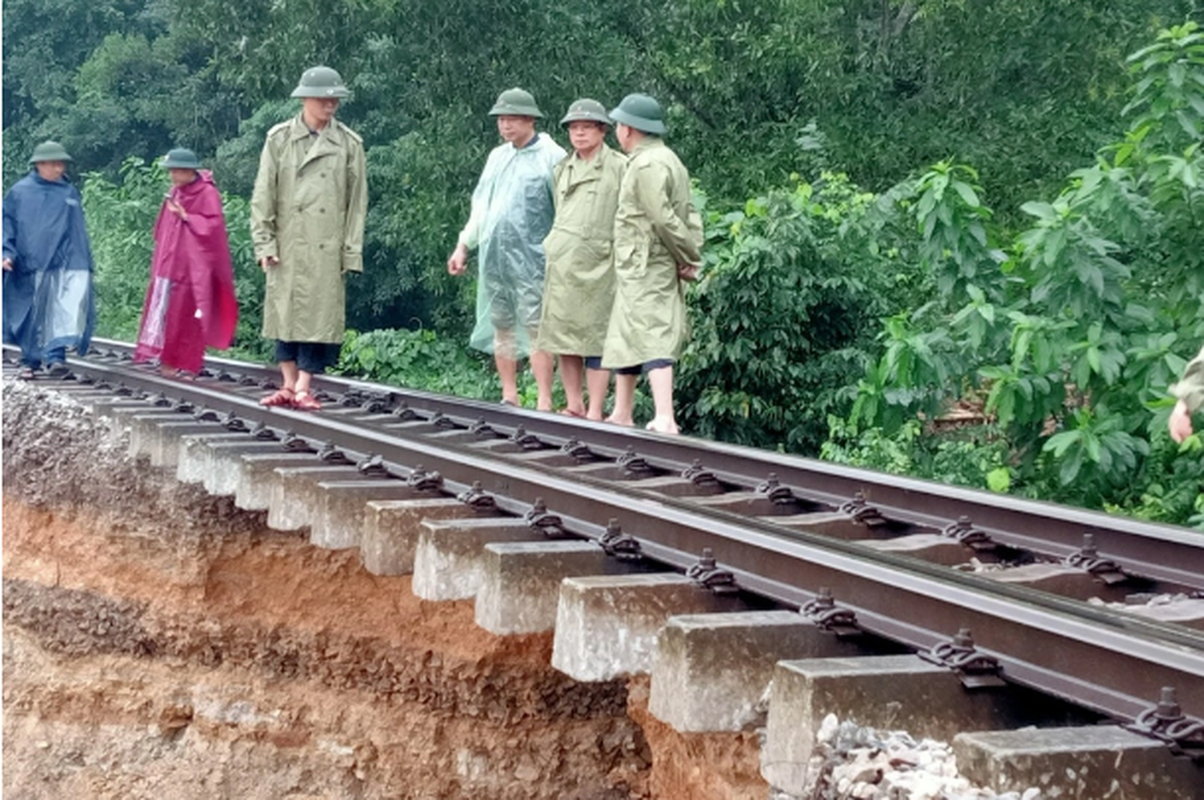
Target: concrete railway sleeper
(552,537)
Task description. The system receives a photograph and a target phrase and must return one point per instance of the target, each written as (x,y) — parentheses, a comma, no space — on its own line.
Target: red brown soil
(159,643)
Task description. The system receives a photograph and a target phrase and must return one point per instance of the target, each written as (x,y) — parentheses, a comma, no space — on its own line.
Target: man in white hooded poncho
(512,212)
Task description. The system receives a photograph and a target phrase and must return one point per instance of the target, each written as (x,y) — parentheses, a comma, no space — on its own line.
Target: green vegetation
(910,203)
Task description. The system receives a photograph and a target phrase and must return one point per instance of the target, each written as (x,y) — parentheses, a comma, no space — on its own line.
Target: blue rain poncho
(512,212)
(48,301)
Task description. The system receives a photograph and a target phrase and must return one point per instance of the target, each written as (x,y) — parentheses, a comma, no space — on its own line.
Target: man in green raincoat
(579,284)
(511,214)
(307,224)
(1190,391)
(658,246)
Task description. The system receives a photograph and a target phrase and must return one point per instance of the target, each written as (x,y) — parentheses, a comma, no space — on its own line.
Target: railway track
(874,553)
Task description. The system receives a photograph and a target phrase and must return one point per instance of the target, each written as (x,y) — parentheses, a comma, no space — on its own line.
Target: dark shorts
(647,366)
(593,362)
(311,357)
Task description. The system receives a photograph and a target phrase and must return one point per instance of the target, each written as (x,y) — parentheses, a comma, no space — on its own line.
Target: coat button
(321,211)
(321,247)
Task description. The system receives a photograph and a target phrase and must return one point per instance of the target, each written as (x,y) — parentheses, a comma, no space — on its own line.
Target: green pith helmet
(181,158)
(516,103)
(321,82)
(642,113)
(586,110)
(49,151)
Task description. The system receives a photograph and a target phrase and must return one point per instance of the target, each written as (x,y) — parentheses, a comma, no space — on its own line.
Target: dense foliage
(852,295)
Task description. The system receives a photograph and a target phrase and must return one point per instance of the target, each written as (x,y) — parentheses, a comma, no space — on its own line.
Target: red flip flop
(282,397)
(304,401)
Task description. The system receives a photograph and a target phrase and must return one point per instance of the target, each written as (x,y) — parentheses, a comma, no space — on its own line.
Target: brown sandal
(304,401)
(282,397)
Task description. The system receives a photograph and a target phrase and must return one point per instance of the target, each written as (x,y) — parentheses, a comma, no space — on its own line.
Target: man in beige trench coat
(658,245)
(307,225)
(579,281)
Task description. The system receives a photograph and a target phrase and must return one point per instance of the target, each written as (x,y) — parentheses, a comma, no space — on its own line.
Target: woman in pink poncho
(190,303)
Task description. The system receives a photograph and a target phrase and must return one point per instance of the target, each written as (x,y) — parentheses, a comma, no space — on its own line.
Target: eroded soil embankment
(159,643)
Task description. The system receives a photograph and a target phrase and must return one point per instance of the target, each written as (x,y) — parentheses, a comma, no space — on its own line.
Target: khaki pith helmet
(642,113)
(181,158)
(515,103)
(321,82)
(49,151)
(586,110)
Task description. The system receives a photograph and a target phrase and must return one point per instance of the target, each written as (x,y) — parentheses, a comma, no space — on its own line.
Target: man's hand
(1180,422)
(458,262)
(8,264)
(176,209)
(268,261)
(687,272)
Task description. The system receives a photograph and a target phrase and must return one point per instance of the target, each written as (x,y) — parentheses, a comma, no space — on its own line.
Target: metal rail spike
(482,429)
(527,441)
(404,412)
(773,489)
(262,432)
(963,531)
(206,414)
(424,481)
(160,401)
(351,398)
(332,455)
(295,444)
(374,405)
(829,617)
(1088,559)
(863,512)
(578,450)
(976,671)
(539,518)
(699,475)
(442,421)
(372,465)
(630,462)
(233,423)
(226,377)
(248,380)
(182,407)
(618,544)
(705,573)
(476,498)
(1167,722)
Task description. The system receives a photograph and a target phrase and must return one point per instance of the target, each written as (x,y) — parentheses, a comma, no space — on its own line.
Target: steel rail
(1153,550)
(1111,662)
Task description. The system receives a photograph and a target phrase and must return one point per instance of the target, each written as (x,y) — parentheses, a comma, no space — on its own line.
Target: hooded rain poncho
(190,302)
(511,214)
(48,302)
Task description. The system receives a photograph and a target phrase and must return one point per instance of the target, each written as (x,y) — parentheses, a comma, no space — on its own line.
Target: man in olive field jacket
(658,246)
(307,224)
(579,284)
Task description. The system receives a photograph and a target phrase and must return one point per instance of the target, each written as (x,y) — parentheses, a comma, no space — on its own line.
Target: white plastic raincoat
(511,214)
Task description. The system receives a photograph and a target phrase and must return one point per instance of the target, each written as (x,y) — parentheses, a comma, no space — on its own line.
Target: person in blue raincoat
(48,305)
(512,212)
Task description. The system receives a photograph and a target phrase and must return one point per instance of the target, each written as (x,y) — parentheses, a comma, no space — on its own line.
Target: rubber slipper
(568,412)
(304,401)
(281,397)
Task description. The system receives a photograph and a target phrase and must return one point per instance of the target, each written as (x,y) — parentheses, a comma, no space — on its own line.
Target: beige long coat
(656,228)
(1191,388)
(308,210)
(579,281)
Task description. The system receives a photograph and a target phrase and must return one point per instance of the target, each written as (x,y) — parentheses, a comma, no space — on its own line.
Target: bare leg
(661,381)
(598,382)
(507,365)
(303,380)
(288,371)
(543,365)
(624,400)
(570,378)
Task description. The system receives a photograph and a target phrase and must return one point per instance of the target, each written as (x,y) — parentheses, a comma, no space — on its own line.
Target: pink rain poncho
(190,303)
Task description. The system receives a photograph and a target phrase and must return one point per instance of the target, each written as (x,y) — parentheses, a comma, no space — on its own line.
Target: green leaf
(999,480)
